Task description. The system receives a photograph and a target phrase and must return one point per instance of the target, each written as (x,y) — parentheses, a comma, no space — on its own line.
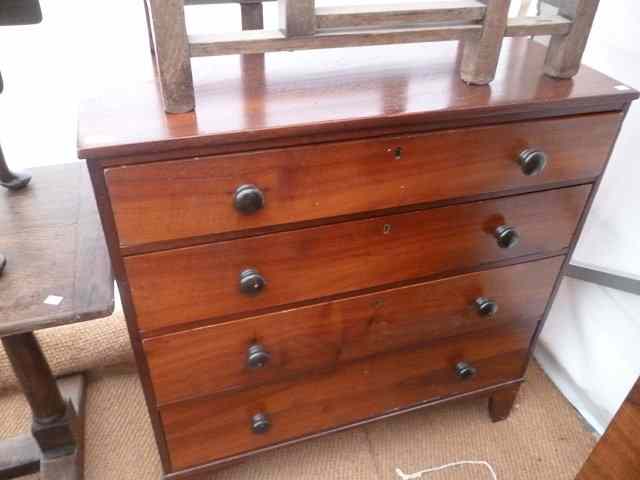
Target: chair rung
(260,41)
(398,14)
(528,26)
(218,2)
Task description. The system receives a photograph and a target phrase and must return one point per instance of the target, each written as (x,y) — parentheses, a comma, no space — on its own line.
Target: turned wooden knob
(248,199)
(532,161)
(251,282)
(257,356)
(506,236)
(486,307)
(260,423)
(465,371)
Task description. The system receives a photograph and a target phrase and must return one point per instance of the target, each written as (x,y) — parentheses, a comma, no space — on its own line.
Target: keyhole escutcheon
(397,152)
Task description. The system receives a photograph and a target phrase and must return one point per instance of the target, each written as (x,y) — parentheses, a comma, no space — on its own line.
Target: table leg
(55,446)
(9,179)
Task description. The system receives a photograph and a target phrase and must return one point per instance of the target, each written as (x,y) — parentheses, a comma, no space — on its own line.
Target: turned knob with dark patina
(506,236)
(532,161)
(260,423)
(486,307)
(251,282)
(248,199)
(465,371)
(257,356)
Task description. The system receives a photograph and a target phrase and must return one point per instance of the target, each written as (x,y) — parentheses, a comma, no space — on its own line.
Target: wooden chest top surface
(337,93)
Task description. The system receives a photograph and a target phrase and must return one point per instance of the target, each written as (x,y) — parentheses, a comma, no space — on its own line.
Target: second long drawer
(273,347)
(211,281)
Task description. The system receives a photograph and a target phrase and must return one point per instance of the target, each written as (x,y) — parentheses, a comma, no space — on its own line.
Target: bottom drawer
(204,430)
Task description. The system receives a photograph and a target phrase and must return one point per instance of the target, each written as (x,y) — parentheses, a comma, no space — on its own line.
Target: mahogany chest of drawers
(336,237)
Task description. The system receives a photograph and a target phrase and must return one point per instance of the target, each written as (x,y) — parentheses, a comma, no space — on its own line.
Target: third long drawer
(276,346)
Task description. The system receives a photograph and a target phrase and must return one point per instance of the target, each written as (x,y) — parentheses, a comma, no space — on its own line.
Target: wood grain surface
(194,197)
(302,97)
(232,43)
(252,15)
(323,336)
(501,403)
(480,56)
(329,269)
(53,241)
(180,286)
(204,430)
(617,454)
(297,17)
(345,16)
(172,54)
(564,54)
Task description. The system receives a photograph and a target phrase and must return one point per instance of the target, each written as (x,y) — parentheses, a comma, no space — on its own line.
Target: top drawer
(196,197)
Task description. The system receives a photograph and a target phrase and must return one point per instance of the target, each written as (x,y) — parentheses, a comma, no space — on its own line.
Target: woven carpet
(543,439)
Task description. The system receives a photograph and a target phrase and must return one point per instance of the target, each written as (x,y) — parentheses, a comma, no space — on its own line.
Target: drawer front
(273,347)
(197,283)
(190,198)
(203,430)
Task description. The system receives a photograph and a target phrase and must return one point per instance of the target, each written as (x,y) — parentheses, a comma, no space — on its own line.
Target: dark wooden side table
(57,272)
(617,454)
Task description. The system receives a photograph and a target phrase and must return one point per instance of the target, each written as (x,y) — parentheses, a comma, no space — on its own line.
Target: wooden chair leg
(55,446)
(564,54)
(173,57)
(297,17)
(252,16)
(480,57)
(502,401)
(9,179)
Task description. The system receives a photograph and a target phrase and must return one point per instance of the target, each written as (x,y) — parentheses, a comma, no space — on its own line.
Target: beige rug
(543,439)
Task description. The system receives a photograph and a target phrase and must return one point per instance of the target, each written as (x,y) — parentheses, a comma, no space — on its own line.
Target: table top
(250,98)
(51,235)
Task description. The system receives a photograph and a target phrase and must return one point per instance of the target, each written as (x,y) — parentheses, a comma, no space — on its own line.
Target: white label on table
(53,300)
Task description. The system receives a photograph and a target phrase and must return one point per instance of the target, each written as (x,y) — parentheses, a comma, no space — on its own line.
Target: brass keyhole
(386,229)
(397,152)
